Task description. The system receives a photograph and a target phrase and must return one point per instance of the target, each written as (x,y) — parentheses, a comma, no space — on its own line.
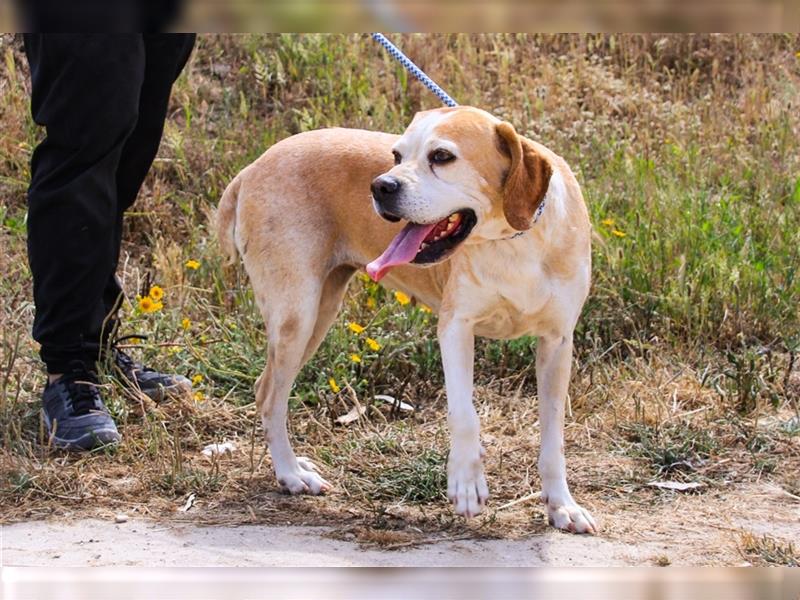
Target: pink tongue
(402,250)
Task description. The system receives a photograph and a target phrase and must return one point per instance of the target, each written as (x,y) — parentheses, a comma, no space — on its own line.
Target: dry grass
(685,367)
(768,551)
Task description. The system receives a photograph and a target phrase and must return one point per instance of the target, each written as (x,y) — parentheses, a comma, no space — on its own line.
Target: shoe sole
(93,440)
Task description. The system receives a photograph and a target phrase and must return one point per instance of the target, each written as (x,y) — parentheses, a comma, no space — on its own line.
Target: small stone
(121,518)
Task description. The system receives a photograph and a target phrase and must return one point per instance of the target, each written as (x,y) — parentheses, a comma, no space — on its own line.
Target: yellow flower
(364,277)
(173,350)
(355,358)
(192,264)
(148,305)
(186,324)
(199,396)
(197,379)
(355,327)
(371,302)
(425,308)
(373,344)
(618,233)
(608,222)
(797,54)
(156,293)
(402,298)
(334,386)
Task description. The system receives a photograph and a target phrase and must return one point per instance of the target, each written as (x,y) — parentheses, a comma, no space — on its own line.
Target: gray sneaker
(150,382)
(74,413)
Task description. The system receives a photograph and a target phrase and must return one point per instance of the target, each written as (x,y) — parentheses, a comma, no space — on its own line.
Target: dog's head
(461,176)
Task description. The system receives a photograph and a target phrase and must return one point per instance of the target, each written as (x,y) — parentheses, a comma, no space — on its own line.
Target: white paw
(466,484)
(569,516)
(303,479)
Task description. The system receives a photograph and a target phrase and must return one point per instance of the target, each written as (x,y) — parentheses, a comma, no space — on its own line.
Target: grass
(418,479)
(672,449)
(687,150)
(768,551)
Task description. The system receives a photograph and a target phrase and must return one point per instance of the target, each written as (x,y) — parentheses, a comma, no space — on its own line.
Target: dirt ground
(655,536)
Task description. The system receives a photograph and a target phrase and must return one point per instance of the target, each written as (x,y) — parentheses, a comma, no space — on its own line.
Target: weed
(662,561)
(184,482)
(671,449)
(419,478)
(766,550)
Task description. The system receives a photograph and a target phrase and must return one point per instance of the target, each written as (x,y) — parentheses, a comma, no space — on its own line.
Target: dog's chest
(505,299)
(504,322)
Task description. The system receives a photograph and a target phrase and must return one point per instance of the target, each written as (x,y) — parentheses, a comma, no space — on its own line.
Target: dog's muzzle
(385,192)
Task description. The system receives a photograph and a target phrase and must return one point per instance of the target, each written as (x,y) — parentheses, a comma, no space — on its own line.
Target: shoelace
(81,385)
(125,362)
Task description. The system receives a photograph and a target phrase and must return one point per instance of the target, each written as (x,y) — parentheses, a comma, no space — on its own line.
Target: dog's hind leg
(290,326)
(330,303)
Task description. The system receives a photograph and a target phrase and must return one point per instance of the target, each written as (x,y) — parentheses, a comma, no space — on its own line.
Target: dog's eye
(439,157)
(397,158)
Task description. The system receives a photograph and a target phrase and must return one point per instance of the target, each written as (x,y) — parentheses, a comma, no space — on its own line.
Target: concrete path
(151,544)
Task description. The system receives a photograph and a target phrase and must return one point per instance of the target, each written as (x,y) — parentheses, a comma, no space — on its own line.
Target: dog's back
(324,166)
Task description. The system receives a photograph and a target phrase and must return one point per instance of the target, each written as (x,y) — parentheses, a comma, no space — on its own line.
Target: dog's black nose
(384,187)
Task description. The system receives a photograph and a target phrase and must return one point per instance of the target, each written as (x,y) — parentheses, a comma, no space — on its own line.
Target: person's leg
(165,56)
(85,91)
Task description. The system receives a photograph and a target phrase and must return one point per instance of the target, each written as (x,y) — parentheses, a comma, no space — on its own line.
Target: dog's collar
(536,216)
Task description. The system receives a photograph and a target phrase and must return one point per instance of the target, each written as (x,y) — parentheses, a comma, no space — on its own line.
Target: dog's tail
(225,219)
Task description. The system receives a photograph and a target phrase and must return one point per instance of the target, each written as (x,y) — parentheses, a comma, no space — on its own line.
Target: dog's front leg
(553,362)
(466,483)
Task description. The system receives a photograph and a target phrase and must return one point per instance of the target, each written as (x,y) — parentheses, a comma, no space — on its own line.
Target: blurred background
(421,584)
(416,15)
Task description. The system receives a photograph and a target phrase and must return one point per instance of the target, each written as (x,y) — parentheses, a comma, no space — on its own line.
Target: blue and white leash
(414,69)
(429,83)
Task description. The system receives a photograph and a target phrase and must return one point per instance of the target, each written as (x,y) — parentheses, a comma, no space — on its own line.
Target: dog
(483,225)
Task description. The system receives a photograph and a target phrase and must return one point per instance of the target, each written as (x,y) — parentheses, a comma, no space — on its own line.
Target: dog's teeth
(453,218)
(423,246)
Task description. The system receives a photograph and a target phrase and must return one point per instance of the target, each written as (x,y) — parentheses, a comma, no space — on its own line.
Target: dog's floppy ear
(526,182)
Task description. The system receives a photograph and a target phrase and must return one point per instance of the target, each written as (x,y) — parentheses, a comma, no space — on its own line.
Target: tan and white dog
(466,184)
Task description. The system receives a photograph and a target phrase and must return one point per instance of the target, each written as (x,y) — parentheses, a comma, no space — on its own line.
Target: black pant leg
(85,91)
(165,56)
